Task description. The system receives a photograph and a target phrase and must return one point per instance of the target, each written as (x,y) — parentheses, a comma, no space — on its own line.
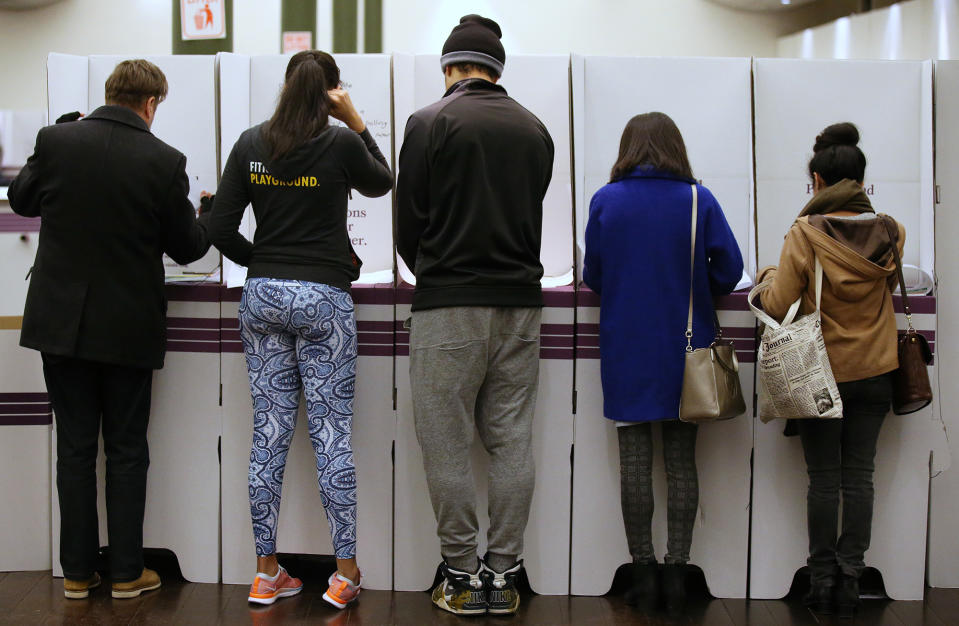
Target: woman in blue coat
(637,260)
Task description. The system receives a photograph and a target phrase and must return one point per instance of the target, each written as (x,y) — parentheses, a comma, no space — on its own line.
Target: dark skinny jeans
(840,457)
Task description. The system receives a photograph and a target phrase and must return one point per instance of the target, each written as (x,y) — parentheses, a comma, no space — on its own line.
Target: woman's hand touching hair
(341,108)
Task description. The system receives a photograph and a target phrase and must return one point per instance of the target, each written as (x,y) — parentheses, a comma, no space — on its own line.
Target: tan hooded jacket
(859,272)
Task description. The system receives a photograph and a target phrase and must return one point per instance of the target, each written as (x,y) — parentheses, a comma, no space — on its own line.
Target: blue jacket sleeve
(592,261)
(723,257)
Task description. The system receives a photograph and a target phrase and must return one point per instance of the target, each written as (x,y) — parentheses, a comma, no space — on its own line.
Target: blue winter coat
(637,260)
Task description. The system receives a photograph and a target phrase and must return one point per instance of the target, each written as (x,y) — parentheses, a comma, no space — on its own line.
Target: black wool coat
(112,199)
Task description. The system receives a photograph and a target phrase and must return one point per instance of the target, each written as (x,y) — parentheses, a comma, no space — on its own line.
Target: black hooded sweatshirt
(474,169)
(300,205)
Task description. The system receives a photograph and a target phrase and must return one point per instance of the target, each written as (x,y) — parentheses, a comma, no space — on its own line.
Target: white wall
(600,27)
(134,27)
(917,29)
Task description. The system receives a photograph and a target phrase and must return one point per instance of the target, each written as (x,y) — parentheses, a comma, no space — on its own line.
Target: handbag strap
(692,265)
(902,281)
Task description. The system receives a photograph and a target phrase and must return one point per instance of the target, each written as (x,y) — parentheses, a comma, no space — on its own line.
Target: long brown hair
(304,107)
(651,139)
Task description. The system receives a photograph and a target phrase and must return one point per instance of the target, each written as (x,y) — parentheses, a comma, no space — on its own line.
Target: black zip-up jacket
(112,199)
(300,205)
(473,172)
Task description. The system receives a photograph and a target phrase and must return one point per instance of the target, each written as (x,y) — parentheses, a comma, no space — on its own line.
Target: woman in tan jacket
(839,226)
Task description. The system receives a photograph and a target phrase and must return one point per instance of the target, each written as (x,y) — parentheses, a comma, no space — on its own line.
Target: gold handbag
(711,389)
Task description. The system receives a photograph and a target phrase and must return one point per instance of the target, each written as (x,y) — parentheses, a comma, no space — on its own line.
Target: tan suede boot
(79,589)
(148,581)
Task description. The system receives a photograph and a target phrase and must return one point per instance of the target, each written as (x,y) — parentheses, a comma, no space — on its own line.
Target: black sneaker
(501,594)
(460,592)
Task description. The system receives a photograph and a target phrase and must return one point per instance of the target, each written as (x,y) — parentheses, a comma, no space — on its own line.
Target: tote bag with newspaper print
(795,378)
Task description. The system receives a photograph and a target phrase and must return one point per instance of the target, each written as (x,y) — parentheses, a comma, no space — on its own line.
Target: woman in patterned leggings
(637,259)
(296,314)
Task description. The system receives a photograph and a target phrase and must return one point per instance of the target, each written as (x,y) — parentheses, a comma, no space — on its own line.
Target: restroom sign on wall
(202,19)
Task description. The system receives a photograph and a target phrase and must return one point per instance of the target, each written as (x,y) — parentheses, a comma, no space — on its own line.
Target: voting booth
(944,488)
(25,415)
(718,135)
(891,104)
(249,88)
(541,84)
(182,512)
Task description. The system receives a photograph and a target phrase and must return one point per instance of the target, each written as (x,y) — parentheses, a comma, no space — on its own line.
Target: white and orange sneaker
(342,590)
(266,589)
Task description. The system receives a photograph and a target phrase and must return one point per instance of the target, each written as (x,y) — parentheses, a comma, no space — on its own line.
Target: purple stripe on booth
(193,334)
(193,293)
(230,335)
(556,353)
(193,346)
(24,409)
(230,294)
(192,322)
(380,326)
(559,297)
(26,420)
(372,294)
(29,396)
(13,223)
(585,352)
(371,350)
(402,350)
(586,297)
(403,294)
(231,347)
(374,338)
(917,304)
(556,341)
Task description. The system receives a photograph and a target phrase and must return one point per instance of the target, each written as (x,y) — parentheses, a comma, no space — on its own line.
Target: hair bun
(483,21)
(842,134)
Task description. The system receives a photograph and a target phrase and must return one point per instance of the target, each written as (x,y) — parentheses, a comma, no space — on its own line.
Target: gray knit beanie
(476,39)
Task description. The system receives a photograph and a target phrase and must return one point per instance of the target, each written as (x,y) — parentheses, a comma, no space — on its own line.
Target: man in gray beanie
(473,171)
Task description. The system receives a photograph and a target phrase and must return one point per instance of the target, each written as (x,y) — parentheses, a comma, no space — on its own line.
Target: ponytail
(304,108)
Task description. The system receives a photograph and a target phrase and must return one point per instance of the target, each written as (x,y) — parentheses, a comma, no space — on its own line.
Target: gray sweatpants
(476,365)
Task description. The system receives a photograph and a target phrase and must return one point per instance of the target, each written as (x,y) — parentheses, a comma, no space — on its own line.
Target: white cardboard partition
(303,527)
(541,84)
(709,99)
(890,102)
(182,494)
(944,492)
(186,120)
(24,440)
(24,448)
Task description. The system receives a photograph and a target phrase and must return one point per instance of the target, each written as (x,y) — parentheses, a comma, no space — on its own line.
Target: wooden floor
(37,598)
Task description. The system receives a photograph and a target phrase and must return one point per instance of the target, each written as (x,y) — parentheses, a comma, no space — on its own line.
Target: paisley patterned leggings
(299,334)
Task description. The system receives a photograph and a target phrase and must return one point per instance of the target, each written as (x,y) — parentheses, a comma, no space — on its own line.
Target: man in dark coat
(473,172)
(112,199)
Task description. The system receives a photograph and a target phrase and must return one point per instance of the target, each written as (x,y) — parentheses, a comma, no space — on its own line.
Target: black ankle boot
(820,599)
(674,587)
(847,596)
(644,594)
